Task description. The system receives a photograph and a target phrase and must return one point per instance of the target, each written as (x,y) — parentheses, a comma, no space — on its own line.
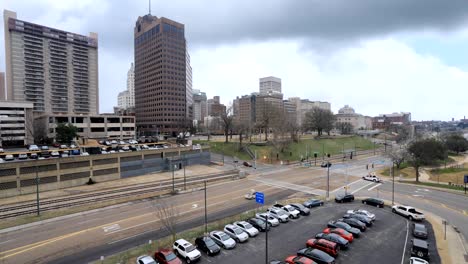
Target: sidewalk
(147,178)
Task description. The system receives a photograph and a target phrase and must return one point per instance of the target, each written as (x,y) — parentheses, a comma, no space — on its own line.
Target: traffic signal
(315,154)
(351,156)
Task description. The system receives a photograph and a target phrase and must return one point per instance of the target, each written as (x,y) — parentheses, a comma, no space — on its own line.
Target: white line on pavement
(110,243)
(373,187)
(406,241)
(355,191)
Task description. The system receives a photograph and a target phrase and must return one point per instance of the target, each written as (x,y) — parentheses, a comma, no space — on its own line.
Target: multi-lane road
(88,236)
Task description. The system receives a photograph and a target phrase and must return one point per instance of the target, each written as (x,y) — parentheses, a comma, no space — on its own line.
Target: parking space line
(355,191)
(406,241)
(373,187)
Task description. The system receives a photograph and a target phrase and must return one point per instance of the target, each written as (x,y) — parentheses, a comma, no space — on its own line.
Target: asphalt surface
(386,242)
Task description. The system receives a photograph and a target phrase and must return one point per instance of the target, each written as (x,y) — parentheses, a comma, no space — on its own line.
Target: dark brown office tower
(162,91)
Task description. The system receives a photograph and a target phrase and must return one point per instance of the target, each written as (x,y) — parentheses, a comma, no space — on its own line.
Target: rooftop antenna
(149,6)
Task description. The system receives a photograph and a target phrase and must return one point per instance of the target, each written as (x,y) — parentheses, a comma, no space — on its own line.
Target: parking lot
(382,243)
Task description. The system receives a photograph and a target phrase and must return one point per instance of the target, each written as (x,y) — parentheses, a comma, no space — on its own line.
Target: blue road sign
(260,197)
(466,178)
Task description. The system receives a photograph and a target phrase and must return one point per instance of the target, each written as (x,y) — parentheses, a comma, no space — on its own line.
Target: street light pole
(266,239)
(173,180)
(328,180)
(185,179)
(206,213)
(393,184)
(37,192)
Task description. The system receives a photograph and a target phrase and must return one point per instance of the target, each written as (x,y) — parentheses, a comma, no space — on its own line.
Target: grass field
(295,151)
(406,171)
(454,175)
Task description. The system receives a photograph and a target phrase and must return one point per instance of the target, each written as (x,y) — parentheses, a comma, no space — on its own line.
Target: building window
(97,129)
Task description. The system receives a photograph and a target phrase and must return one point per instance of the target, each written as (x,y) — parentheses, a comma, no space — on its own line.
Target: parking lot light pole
(37,192)
(328,181)
(206,213)
(185,179)
(266,239)
(393,184)
(173,180)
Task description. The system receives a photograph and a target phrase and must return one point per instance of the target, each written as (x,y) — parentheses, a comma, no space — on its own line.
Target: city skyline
(333,64)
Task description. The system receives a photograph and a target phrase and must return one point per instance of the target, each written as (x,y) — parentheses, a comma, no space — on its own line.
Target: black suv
(419,248)
(420,231)
(342,198)
(374,201)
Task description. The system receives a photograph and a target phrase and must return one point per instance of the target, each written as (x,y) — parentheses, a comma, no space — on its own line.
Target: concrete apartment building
(126,99)
(347,115)
(200,108)
(55,70)
(163,94)
(105,126)
(304,105)
(270,85)
(2,86)
(16,123)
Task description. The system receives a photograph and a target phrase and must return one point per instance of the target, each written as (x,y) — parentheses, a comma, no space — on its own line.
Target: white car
(279,213)
(248,228)
(33,148)
(132,141)
(222,239)
(414,260)
(104,152)
(72,146)
(408,211)
(371,177)
(55,154)
(1,150)
(122,142)
(1,160)
(293,212)
(63,146)
(271,219)
(186,250)
(84,154)
(9,157)
(22,156)
(236,233)
(145,260)
(362,212)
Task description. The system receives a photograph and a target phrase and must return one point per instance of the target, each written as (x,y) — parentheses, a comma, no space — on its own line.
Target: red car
(299,260)
(341,232)
(166,256)
(326,246)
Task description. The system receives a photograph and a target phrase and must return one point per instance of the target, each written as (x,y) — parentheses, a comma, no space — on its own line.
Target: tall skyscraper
(162,76)
(199,105)
(2,86)
(126,99)
(55,70)
(270,85)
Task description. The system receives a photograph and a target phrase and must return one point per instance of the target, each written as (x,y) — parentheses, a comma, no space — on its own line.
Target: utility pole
(266,239)
(206,214)
(185,179)
(37,192)
(173,180)
(255,160)
(328,179)
(393,183)
(374,148)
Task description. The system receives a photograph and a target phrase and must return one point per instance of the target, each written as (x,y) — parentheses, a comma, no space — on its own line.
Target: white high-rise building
(270,85)
(126,99)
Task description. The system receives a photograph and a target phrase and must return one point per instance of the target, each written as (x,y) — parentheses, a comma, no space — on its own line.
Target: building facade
(16,123)
(357,121)
(266,104)
(126,99)
(2,86)
(383,121)
(89,127)
(200,109)
(162,95)
(55,70)
(270,85)
(304,105)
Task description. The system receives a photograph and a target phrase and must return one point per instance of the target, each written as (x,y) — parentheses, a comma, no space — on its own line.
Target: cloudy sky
(377,56)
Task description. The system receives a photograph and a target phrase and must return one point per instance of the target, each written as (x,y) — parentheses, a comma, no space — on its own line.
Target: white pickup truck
(408,211)
(371,177)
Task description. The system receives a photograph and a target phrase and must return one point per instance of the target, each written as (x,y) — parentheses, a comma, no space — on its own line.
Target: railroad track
(76,200)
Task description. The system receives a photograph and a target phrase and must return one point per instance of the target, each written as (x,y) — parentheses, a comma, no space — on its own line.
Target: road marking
(110,243)
(6,241)
(418,195)
(373,187)
(194,206)
(355,191)
(406,241)
(111,228)
(464,212)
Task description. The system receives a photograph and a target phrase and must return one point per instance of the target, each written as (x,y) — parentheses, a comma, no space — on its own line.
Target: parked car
(166,256)
(366,220)
(419,248)
(45,154)
(325,164)
(126,148)
(236,233)
(341,232)
(280,214)
(316,255)
(326,246)
(299,260)
(371,177)
(207,245)
(222,239)
(374,201)
(293,212)
(301,208)
(45,148)
(247,164)
(86,154)
(33,148)
(354,223)
(22,156)
(33,156)
(313,203)
(72,146)
(63,146)
(248,228)
(2,160)
(362,212)
(64,155)
(55,154)
(408,211)
(343,243)
(273,221)
(145,260)
(343,198)
(259,224)
(9,157)
(420,231)
(186,250)
(1,150)
(337,224)
(415,260)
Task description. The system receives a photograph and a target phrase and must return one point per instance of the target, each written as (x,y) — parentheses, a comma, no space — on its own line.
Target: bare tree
(319,120)
(344,127)
(168,216)
(241,129)
(227,120)
(268,115)
(398,156)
